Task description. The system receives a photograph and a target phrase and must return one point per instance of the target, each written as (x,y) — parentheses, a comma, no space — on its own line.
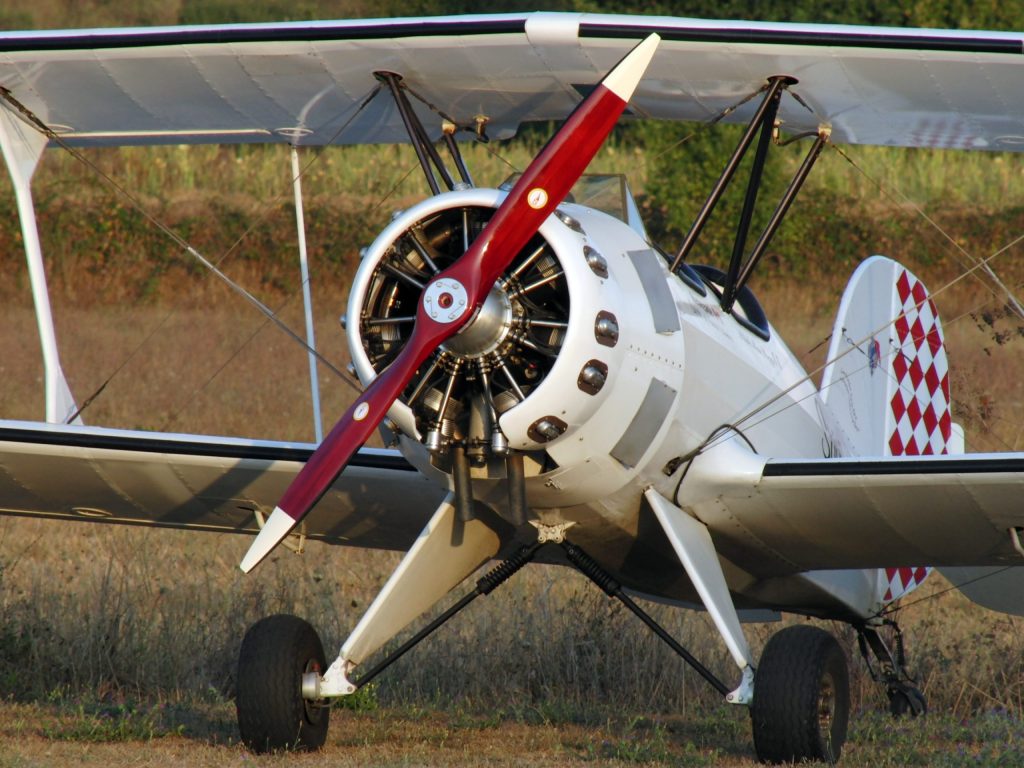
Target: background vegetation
(113,636)
(952,14)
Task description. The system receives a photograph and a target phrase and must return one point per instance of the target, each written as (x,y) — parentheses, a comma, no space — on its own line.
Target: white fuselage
(682,375)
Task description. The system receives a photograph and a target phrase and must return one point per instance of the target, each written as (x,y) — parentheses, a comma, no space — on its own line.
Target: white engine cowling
(573,334)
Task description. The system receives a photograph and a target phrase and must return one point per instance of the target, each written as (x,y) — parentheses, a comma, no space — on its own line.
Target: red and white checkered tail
(885,391)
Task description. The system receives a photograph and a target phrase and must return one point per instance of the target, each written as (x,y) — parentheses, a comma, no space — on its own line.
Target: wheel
(801,697)
(272,714)
(907,700)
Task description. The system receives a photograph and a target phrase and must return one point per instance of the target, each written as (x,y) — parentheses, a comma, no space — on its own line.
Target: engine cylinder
(538,360)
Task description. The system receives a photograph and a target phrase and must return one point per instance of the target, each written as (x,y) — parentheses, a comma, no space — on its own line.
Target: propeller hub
(445,300)
(487,330)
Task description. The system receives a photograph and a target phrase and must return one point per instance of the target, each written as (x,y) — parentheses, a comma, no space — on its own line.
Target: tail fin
(885,391)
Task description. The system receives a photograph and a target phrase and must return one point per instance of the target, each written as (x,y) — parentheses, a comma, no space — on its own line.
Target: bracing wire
(786,391)
(212,267)
(982,264)
(893,193)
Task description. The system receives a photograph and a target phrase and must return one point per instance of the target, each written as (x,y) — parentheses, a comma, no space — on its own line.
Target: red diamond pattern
(914,412)
(903,286)
(902,329)
(899,366)
(902,580)
(930,419)
(919,293)
(920,407)
(917,334)
(946,425)
(915,372)
(921,422)
(898,406)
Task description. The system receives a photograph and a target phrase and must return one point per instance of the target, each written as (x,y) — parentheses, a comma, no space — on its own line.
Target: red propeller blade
(455,294)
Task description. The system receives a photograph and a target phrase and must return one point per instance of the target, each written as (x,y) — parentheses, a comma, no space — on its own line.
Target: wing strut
(764,120)
(692,543)
(22,147)
(307,300)
(428,156)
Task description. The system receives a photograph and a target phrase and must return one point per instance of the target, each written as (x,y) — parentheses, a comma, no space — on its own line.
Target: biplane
(552,385)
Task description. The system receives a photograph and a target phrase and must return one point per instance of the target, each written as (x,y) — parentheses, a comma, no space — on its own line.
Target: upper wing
(203,483)
(304,82)
(778,516)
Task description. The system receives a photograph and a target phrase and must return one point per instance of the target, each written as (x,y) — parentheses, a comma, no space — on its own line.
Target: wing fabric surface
(203,483)
(859,513)
(303,82)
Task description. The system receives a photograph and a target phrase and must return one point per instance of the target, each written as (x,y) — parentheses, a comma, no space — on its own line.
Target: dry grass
(390,738)
(411,737)
(112,637)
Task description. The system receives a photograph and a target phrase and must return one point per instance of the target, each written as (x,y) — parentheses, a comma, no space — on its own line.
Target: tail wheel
(801,697)
(906,700)
(272,714)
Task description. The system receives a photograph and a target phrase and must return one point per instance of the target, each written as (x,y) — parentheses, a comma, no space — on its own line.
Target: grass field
(118,646)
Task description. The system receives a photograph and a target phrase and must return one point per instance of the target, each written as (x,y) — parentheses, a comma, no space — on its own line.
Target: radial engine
(572,361)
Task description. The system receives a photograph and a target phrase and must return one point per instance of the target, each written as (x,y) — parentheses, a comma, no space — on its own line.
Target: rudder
(885,391)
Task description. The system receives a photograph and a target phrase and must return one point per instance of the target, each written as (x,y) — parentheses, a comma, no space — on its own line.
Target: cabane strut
(430,160)
(764,120)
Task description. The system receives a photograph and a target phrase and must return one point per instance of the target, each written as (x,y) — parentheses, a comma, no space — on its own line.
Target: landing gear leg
(801,697)
(904,697)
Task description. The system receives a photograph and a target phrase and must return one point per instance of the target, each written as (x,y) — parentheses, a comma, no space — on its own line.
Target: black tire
(907,702)
(272,715)
(801,697)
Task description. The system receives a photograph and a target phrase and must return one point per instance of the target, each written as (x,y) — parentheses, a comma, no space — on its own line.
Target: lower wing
(203,483)
(776,516)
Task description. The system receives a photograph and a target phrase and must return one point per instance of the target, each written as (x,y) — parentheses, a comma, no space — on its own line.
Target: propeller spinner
(456,294)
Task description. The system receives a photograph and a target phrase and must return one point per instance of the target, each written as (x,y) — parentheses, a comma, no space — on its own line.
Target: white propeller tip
(623,80)
(278,525)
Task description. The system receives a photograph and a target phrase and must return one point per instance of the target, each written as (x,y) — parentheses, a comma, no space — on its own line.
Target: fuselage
(679,375)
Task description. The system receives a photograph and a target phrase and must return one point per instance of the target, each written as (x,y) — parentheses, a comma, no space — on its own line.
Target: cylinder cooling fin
(557,363)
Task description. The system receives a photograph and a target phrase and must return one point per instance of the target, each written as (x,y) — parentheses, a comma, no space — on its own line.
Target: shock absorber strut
(593,571)
(484,586)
